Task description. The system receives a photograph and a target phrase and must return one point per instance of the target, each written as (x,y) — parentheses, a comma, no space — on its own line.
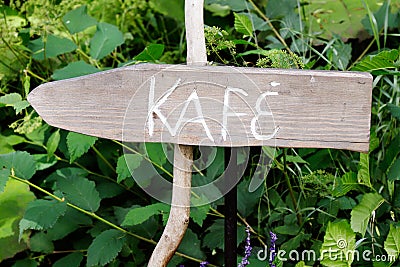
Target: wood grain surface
(214,106)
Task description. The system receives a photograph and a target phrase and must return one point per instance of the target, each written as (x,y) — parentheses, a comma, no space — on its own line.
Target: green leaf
(78,144)
(243,24)
(126,164)
(234,5)
(71,260)
(394,171)
(381,61)
(345,184)
(52,143)
(74,69)
(171,8)
(363,176)
(190,245)
(21,162)
(41,214)
(361,213)
(156,153)
(43,161)
(13,202)
(79,191)
(339,245)
(139,215)
(105,40)
(151,53)
(392,243)
(105,247)
(50,47)
(7,143)
(394,110)
(25,263)
(78,20)
(199,213)
(4,175)
(40,242)
(14,100)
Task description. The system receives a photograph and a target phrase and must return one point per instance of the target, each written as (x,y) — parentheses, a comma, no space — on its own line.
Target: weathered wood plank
(214,106)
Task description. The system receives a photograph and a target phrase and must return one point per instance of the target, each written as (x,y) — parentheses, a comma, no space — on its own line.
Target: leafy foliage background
(68,200)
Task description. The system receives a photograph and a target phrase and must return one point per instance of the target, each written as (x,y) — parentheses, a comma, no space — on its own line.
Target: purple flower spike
(204,263)
(247,251)
(272,249)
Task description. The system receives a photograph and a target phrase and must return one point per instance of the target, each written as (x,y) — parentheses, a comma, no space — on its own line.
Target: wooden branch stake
(183,154)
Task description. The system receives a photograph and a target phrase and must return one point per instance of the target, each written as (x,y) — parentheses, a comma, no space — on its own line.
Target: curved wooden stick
(183,155)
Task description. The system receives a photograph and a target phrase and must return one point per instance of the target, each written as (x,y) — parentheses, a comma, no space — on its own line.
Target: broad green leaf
(139,215)
(78,20)
(383,60)
(43,161)
(363,176)
(78,144)
(21,162)
(394,171)
(52,143)
(14,100)
(126,164)
(280,8)
(214,237)
(74,69)
(4,175)
(171,8)
(361,213)
(105,247)
(7,143)
(41,215)
(339,245)
(13,202)
(394,110)
(345,184)
(40,242)
(234,5)
(243,24)
(156,153)
(105,40)
(190,245)
(10,99)
(152,53)
(199,213)
(71,260)
(25,263)
(50,47)
(392,243)
(79,191)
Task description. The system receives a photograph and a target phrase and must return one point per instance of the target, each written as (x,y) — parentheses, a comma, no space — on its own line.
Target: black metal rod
(230,209)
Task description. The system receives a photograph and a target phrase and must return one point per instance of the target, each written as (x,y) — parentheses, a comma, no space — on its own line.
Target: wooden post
(183,154)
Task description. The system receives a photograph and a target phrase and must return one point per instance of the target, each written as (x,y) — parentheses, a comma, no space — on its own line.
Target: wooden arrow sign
(213,106)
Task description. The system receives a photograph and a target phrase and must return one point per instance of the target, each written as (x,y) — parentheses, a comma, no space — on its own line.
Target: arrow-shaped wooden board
(214,106)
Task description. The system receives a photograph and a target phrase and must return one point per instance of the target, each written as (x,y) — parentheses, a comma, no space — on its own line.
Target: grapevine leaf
(4,174)
(361,213)
(392,243)
(199,213)
(126,164)
(21,162)
(14,100)
(74,69)
(71,260)
(105,40)
(152,53)
(171,8)
(79,191)
(339,245)
(139,215)
(78,20)
(41,214)
(105,247)
(243,24)
(190,245)
(78,144)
